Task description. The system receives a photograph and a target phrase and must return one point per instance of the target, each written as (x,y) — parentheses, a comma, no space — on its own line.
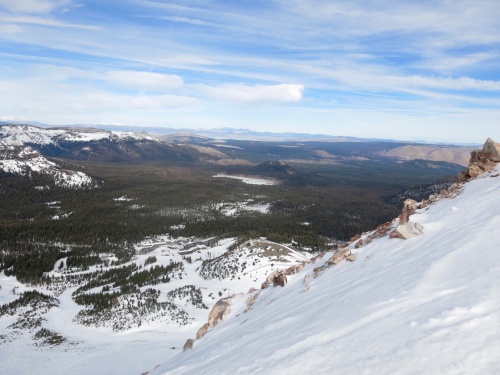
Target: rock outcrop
(409,208)
(218,313)
(481,160)
(407,230)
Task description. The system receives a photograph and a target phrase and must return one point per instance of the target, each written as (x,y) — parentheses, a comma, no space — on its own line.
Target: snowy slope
(23,160)
(427,305)
(127,341)
(18,135)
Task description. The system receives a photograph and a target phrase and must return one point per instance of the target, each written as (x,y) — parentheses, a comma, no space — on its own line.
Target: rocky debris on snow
(340,255)
(276,278)
(481,160)
(218,313)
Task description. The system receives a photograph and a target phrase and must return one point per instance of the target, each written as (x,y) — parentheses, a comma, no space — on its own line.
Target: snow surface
(427,305)
(18,135)
(250,180)
(100,350)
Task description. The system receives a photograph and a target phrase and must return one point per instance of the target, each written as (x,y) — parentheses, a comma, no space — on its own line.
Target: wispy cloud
(282,62)
(32,6)
(255,94)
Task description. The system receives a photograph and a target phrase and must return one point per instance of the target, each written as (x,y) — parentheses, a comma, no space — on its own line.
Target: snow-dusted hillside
(177,286)
(94,144)
(426,305)
(23,160)
(18,135)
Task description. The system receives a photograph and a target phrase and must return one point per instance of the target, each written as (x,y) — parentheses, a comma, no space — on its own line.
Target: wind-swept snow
(427,305)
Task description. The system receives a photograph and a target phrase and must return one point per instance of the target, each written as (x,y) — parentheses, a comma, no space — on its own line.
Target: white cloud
(32,20)
(32,6)
(144,80)
(255,94)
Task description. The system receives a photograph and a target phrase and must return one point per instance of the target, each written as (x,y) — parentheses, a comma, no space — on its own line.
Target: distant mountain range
(224,146)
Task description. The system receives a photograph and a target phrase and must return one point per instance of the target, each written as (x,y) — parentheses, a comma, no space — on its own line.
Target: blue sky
(376,68)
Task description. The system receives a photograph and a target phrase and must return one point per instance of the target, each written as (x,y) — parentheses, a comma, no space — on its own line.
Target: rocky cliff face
(481,160)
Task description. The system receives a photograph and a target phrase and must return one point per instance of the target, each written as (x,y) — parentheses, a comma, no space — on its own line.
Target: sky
(409,70)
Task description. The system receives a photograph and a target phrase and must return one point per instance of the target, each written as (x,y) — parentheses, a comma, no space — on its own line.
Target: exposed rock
(409,208)
(481,161)
(279,280)
(355,238)
(318,270)
(432,198)
(188,345)
(315,258)
(358,244)
(492,149)
(351,257)
(202,331)
(219,311)
(339,256)
(407,230)
(381,231)
(294,269)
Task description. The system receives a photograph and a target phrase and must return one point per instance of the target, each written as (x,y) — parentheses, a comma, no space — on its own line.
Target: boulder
(381,231)
(339,256)
(481,160)
(188,345)
(219,311)
(492,150)
(409,208)
(279,280)
(202,331)
(407,230)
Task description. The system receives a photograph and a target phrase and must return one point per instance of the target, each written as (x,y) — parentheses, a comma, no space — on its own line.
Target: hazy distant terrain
(457,155)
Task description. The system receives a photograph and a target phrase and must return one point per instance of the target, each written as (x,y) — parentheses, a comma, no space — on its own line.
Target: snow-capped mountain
(93,144)
(24,160)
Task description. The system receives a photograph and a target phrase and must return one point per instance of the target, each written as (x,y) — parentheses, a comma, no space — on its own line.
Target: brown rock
(492,150)
(381,231)
(318,270)
(294,269)
(188,345)
(358,244)
(339,256)
(202,331)
(409,208)
(279,280)
(355,238)
(219,311)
